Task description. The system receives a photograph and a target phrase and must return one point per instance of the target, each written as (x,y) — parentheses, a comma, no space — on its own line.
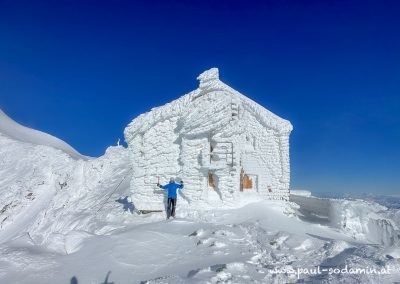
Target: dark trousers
(171,207)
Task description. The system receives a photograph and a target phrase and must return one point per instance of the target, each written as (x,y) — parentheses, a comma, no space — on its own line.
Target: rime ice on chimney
(221,143)
(207,77)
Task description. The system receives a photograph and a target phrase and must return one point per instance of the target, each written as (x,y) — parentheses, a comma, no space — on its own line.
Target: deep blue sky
(82,70)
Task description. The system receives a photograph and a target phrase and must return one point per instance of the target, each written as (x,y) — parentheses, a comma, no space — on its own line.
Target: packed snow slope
(67,220)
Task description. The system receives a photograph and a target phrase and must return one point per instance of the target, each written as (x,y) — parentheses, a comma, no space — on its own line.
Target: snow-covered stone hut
(221,143)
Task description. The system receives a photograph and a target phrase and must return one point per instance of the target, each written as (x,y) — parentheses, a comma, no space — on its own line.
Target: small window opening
(246,182)
(211,180)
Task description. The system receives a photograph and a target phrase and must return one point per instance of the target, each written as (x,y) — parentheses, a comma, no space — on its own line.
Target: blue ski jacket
(172,188)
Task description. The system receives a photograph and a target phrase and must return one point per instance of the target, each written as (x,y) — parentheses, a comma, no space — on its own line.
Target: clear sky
(82,70)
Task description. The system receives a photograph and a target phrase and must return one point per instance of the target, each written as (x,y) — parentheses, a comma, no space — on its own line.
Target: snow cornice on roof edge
(209,82)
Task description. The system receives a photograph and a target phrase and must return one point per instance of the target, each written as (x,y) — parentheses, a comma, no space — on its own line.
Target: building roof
(209,83)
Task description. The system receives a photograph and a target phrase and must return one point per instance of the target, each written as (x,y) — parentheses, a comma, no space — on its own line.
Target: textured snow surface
(300,192)
(53,197)
(242,245)
(16,131)
(357,218)
(47,193)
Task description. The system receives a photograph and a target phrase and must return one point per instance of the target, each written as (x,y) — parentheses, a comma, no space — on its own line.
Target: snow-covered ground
(65,218)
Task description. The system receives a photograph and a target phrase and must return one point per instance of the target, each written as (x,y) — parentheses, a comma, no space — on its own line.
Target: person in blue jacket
(172,187)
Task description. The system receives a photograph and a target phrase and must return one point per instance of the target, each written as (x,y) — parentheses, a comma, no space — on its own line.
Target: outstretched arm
(181,185)
(161,186)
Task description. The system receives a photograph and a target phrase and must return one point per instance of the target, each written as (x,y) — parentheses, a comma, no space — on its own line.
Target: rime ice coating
(224,145)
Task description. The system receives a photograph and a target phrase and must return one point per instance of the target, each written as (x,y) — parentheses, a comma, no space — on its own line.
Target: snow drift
(49,191)
(16,131)
(358,218)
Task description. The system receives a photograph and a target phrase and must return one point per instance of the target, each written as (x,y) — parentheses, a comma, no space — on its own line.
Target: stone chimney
(208,77)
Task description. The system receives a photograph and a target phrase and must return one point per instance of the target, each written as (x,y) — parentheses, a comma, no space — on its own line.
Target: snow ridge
(21,133)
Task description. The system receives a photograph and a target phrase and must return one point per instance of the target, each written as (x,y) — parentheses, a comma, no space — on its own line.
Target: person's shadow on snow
(74,280)
(128,205)
(106,280)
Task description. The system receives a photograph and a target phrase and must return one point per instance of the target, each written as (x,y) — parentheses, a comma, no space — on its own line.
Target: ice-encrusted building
(221,143)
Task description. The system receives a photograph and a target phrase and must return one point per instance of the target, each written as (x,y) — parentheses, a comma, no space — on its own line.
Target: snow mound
(21,133)
(46,193)
(301,192)
(362,218)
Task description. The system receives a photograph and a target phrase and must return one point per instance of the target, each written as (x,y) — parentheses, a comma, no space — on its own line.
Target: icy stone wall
(155,159)
(265,153)
(215,132)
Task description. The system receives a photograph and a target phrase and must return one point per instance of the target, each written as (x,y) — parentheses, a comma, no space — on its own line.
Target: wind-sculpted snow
(14,130)
(362,218)
(259,243)
(47,194)
(358,218)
